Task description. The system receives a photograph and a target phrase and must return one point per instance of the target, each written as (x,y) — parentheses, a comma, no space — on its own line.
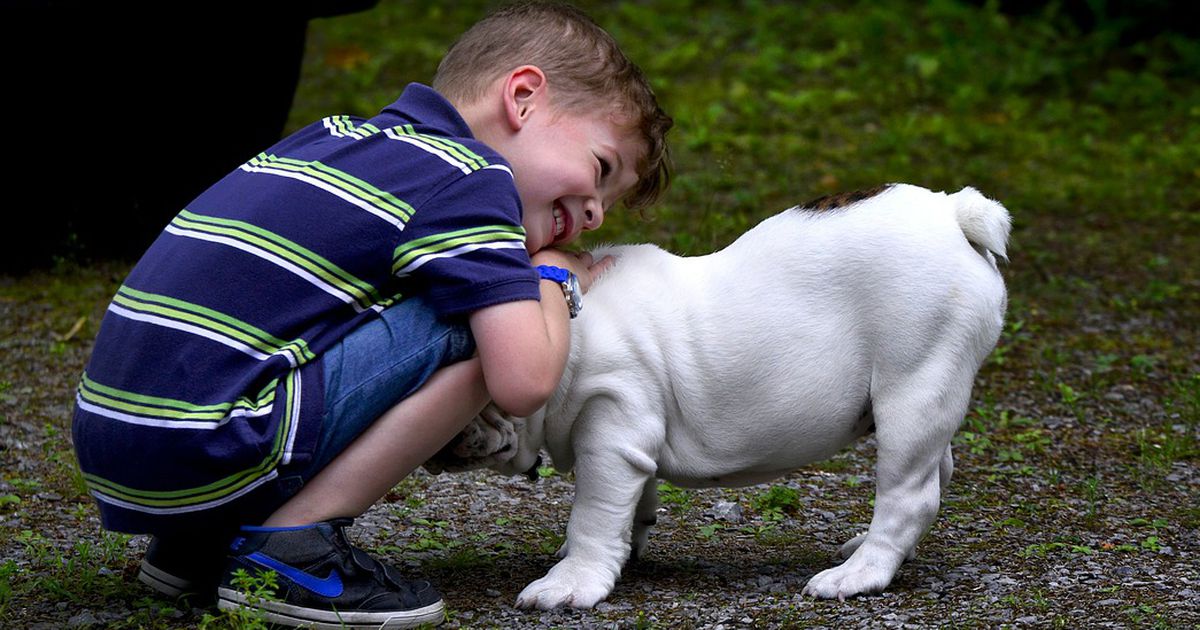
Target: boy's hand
(580,264)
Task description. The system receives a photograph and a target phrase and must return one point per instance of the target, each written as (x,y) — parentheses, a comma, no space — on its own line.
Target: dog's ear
(489,439)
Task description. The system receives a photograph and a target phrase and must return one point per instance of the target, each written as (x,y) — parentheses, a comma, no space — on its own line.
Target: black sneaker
(324,582)
(184,567)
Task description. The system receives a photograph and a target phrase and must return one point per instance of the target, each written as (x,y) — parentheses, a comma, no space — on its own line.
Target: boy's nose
(593,216)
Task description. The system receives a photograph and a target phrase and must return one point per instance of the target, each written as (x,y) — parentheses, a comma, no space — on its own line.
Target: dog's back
(796,323)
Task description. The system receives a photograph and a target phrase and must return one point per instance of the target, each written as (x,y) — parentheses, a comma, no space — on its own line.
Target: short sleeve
(466,247)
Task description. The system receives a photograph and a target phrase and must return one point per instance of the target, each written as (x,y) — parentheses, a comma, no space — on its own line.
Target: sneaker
(183,567)
(324,582)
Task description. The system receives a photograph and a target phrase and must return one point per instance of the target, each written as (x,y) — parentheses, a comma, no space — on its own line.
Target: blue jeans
(380,364)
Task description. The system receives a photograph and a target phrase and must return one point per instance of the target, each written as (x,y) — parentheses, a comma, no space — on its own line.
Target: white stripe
(187,508)
(291,439)
(276,259)
(197,330)
(329,188)
(429,148)
(462,249)
(160,423)
(337,133)
(499,167)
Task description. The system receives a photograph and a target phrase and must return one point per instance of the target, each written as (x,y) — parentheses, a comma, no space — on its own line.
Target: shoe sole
(286,614)
(162,581)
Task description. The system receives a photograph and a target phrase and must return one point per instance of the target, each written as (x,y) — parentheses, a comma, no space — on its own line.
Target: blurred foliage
(779,102)
(1081,116)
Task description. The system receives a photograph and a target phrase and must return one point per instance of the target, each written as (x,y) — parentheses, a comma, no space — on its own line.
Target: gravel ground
(1055,517)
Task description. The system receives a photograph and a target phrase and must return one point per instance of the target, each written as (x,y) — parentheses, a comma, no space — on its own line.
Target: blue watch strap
(557,274)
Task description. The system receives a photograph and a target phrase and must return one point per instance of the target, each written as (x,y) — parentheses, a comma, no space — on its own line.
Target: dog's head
(507,444)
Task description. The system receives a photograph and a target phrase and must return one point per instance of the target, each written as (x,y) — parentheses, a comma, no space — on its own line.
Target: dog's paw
(850,579)
(567,584)
(853,544)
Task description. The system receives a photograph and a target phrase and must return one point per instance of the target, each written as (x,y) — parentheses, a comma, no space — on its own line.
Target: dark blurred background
(119,113)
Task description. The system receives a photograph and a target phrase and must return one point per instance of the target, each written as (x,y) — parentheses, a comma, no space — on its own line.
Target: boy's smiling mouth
(562,221)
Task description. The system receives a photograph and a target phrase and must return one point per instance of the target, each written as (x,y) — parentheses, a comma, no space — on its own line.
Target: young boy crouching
(322,320)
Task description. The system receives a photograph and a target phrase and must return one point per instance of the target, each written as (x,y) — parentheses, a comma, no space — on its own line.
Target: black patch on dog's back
(842,200)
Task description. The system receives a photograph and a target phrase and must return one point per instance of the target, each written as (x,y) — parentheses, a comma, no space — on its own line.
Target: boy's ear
(524,92)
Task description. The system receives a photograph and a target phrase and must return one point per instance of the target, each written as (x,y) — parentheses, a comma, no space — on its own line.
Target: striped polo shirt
(205,382)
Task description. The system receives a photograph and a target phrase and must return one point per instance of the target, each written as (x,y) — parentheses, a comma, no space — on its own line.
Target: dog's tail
(984,222)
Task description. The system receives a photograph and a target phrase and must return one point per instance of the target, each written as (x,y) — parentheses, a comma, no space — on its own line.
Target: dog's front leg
(608,487)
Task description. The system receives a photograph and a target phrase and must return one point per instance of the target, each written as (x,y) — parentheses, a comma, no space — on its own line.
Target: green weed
(430,535)
(8,571)
(258,588)
(706,532)
(773,503)
(76,574)
(1160,447)
(677,499)
(1094,494)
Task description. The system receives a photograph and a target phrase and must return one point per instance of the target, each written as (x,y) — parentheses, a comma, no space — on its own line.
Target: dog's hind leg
(945,471)
(644,518)
(946,468)
(915,421)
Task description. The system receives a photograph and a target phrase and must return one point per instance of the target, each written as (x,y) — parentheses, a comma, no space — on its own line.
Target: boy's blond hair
(583,63)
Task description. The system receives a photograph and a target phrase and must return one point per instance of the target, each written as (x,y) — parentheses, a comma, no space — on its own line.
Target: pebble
(83,620)
(727,511)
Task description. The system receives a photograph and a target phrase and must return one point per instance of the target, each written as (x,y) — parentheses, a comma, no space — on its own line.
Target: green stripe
(208,492)
(168,408)
(347,126)
(460,152)
(434,243)
(212,320)
(338,123)
(362,292)
(345,182)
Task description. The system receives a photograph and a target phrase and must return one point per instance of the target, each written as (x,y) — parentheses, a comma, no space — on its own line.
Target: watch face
(574,295)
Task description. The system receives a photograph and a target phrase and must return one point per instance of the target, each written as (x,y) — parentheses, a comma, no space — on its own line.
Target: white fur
(737,367)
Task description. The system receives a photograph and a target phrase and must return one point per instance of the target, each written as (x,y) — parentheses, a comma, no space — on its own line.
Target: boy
(323,319)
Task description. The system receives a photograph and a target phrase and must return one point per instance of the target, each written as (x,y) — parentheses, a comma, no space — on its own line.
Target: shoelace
(352,560)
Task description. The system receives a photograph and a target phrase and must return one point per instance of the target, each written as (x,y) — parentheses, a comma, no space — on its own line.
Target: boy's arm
(523,345)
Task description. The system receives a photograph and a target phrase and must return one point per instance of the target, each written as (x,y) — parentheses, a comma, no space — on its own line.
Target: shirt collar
(421,104)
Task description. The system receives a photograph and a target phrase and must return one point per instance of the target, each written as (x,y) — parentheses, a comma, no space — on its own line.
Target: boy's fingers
(582,264)
(597,269)
(594,270)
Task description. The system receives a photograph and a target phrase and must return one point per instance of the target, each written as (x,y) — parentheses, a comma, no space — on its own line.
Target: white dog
(868,310)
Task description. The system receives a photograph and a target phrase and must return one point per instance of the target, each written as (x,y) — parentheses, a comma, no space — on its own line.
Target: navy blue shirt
(206,381)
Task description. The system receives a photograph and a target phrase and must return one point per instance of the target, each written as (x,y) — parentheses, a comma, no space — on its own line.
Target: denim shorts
(380,364)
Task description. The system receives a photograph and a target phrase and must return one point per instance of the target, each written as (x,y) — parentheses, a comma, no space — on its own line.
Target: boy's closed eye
(604,170)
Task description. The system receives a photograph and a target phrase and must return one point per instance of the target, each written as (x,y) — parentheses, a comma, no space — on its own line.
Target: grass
(1091,144)
(1088,405)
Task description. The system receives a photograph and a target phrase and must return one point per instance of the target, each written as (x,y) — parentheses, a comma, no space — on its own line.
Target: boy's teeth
(559,224)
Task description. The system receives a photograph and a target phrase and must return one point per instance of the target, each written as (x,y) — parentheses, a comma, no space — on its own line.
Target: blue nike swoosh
(325,587)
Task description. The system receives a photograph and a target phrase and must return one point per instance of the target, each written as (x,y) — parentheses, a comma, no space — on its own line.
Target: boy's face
(569,170)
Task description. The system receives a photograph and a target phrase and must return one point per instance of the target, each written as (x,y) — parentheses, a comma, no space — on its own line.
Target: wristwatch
(569,284)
